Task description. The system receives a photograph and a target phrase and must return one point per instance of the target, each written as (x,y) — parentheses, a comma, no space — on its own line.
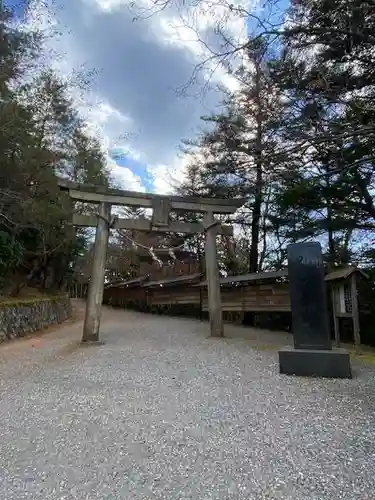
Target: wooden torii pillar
(161,206)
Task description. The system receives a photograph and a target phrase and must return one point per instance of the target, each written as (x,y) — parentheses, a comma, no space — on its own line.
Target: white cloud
(132,106)
(101,123)
(191,27)
(194,31)
(166,178)
(162,181)
(104,121)
(125,178)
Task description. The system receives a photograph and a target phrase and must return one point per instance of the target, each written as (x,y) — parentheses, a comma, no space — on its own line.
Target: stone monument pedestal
(333,363)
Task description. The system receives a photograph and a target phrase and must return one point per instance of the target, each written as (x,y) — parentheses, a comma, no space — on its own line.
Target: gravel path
(162,412)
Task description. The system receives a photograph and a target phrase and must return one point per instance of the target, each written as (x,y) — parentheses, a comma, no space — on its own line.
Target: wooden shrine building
(264,293)
(348,287)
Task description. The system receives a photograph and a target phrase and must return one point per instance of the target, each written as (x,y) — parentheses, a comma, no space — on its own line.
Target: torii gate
(161,207)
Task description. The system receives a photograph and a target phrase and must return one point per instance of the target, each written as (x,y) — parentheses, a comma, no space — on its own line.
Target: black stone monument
(312,354)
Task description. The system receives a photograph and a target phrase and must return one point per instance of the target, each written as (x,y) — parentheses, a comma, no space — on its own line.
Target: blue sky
(274,13)
(19,6)
(137,167)
(132,103)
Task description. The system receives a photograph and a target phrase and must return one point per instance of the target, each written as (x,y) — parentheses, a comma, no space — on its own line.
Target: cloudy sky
(139,65)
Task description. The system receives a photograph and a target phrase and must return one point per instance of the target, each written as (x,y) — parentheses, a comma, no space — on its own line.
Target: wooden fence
(247,293)
(78,291)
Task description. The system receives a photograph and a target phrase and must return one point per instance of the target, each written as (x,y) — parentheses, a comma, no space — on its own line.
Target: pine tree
(327,75)
(42,137)
(239,149)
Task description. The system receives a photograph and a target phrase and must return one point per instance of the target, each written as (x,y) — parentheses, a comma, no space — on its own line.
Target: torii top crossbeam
(99,194)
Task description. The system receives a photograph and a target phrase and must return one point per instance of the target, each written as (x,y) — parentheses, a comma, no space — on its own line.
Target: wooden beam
(213,279)
(98,194)
(132,201)
(146,225)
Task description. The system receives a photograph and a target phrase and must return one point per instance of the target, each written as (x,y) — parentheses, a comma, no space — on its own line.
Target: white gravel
(162,412)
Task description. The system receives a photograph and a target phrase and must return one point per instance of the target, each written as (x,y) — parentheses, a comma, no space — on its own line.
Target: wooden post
(96,286)
(355,311)
(200,303)
(242,312)
(213,279)
(335,318)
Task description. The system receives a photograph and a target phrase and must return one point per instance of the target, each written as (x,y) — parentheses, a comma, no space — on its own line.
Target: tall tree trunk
(331,239)
(250,317)
(255,223)
(258,198)
(263,253)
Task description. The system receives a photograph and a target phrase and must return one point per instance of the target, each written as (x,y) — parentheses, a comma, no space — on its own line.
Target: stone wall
(21,317)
